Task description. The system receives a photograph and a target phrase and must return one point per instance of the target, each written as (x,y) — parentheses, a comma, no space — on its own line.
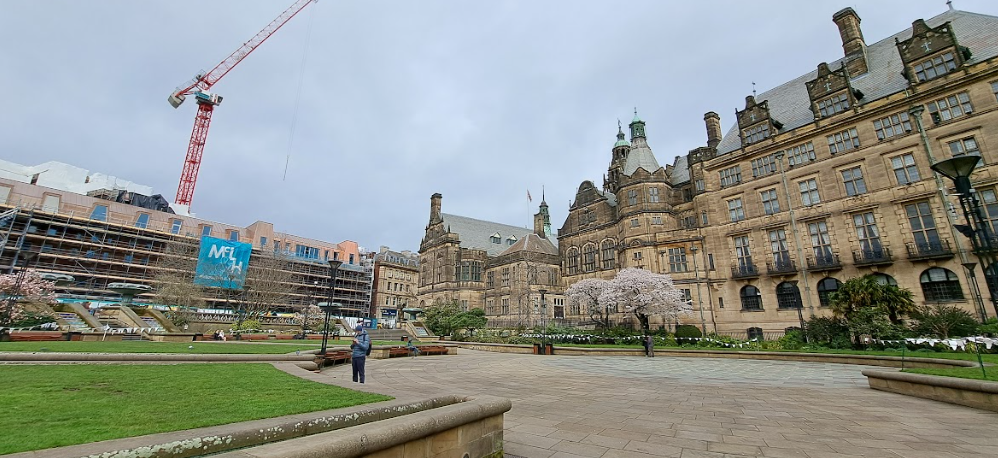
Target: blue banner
(222,264)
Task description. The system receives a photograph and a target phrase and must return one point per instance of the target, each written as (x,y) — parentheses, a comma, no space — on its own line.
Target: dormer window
(756,134)
(496,238)
(511,240)
(935,67)
(930,52)
(832,105)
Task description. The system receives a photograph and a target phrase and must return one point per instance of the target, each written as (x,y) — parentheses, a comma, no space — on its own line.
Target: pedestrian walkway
(636,407)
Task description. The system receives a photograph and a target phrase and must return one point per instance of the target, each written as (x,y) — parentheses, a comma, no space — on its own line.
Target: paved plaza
(635,407)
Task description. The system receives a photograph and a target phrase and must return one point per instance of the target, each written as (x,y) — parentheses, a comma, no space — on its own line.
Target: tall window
(951,107)
(770,202)
(572,261)
(632,197)
(263,243)
(826,287)
(834,104)
(778,246)
(940,284)
(742,252)
(867,233)
(963,147)
(735,210)
(206,231)
(853,180)
(609,254)
(821,243)
(809,192)
(800,154)
(843,141)
(751,298)
(653,194)
(905,169)
(763,166)
(142,221)
(233,236)
(175,226)
(505,276)
(990,200)
(893,125)
(99,213)
(923,227)
(699,185)
(730,176)
(656,220)
(677,259)
(935,67)
(589,257)
(490,279)
(755,134)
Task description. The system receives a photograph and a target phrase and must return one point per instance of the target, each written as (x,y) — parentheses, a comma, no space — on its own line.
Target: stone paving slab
(636,407)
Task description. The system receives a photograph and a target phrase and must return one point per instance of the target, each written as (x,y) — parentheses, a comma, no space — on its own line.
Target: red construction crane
(199,87)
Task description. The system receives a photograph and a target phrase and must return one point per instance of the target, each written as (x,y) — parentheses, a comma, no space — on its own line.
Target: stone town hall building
(821,179)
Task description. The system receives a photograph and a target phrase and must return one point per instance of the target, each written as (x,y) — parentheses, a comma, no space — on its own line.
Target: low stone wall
(446,425)
(864,360)
(471,429)
(979,394)
(171,337)
(501,348)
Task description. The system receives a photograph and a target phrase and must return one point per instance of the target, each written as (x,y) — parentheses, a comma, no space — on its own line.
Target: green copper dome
(621,142)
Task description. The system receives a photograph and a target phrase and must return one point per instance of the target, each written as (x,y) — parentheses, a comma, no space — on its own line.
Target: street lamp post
(334,265)
(696,277)
(544,317)
(959,169)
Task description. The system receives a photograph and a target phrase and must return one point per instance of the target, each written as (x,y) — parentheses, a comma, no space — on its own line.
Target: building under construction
(100,231)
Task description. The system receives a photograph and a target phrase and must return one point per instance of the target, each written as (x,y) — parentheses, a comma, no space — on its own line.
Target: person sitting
(413,349)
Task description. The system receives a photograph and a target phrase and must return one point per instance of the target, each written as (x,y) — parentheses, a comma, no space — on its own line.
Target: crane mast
(200,88)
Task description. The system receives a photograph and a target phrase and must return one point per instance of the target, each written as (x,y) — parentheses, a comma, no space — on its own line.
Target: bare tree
(269,284)
(174,278)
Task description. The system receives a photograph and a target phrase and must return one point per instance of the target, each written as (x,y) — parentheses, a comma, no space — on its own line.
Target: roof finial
(753,89)
(620,127)
(542,190)
(949,3)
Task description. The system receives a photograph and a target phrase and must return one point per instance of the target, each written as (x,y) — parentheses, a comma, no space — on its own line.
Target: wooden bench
(333,358)
(396,352)
(36,337)
(432,350)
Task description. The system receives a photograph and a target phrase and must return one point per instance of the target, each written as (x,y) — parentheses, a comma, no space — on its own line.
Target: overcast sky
(479,101)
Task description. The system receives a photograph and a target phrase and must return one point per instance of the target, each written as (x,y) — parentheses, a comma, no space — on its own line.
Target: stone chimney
(713,122)
(539,224)
(435,208)
(852,41)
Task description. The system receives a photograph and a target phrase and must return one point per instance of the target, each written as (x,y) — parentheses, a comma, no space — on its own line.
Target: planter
(979,394)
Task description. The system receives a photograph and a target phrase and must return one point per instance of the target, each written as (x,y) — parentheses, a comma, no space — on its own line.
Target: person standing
(361,347)
(649,346)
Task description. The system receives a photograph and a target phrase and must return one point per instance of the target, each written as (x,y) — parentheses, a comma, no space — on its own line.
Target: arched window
(609,254)
(589,257)
(788,295)
(751,298)
(572,261)
(940,284)
(885,279)
(826,287)
(754,333)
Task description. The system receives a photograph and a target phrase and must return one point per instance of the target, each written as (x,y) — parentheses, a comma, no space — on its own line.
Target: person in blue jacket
(361,346)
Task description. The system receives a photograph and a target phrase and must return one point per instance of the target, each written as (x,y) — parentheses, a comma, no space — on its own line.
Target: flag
(530,199)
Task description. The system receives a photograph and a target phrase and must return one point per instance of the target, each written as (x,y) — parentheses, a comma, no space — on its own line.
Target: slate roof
(789,102)
(680,171)
(534,244)
(477,234)
(640,156)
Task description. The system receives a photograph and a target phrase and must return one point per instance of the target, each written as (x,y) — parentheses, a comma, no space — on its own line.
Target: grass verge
(157,347)
(962,372)
(82,404)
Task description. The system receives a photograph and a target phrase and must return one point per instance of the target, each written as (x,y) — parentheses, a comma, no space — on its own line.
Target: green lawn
(963,372)
(52,406)
(160,347)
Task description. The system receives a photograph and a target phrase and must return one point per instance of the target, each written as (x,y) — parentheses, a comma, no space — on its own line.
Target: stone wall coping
(983,386)
(367,439)
(223,438)
(841,358)
(149,357)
